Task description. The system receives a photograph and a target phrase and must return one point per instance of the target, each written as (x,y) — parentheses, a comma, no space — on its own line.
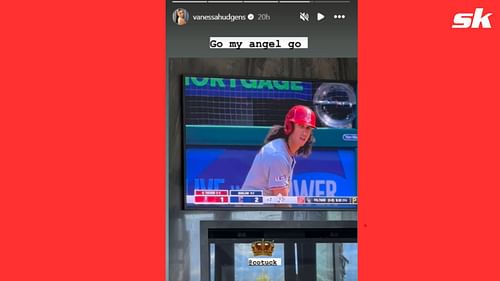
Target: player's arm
(280,191)
(279,176)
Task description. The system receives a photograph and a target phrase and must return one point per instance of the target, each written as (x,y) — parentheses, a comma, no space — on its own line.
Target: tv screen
(269,143)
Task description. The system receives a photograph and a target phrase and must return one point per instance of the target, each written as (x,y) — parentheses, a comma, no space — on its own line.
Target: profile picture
(180,16)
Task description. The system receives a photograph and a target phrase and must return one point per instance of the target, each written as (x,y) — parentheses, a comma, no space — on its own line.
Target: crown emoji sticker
(263,248)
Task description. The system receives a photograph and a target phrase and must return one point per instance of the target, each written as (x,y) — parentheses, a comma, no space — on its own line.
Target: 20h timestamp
(259,17)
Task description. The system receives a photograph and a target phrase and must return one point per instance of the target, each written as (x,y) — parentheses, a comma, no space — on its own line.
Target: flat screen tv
(258,143)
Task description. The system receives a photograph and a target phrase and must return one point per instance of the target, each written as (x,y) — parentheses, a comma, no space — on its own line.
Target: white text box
(261,43)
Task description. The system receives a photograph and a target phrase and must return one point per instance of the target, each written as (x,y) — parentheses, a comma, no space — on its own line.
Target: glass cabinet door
(289,259)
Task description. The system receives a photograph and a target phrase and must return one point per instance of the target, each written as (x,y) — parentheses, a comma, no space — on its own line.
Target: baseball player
(272,167)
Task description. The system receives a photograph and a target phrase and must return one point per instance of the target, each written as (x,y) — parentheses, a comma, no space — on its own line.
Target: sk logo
(469,20)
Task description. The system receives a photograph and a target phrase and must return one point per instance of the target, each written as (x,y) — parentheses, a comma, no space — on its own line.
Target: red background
(82,116)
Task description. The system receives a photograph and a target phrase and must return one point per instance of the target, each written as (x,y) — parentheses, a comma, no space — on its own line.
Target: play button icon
(320,16)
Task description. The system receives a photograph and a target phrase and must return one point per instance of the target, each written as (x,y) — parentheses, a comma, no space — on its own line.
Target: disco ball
(334,104)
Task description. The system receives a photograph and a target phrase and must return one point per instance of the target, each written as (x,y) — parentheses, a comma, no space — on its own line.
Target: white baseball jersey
(271,167)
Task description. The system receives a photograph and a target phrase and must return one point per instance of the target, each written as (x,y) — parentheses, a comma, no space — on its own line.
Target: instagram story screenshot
(262,118)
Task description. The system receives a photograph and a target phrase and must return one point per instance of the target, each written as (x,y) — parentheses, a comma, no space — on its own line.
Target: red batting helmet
(301,115)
